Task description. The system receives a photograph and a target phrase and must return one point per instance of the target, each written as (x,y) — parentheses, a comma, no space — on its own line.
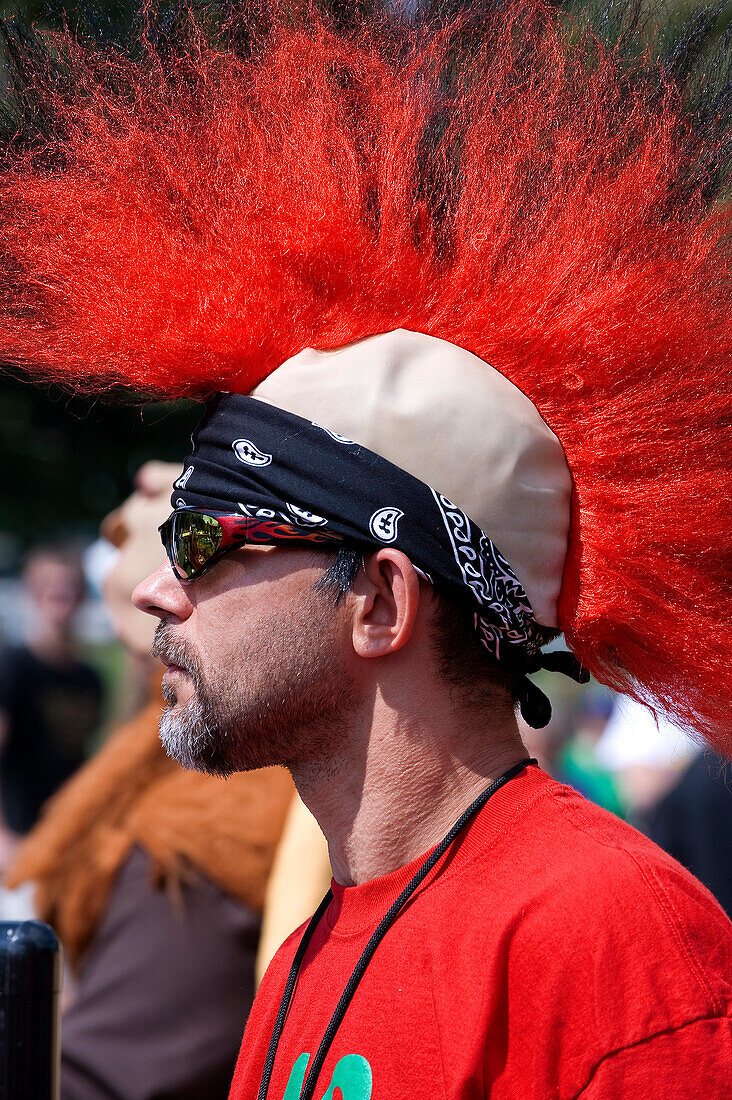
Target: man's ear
(386,602)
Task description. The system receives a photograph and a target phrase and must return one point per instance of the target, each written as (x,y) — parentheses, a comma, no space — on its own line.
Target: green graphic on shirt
(352,1075)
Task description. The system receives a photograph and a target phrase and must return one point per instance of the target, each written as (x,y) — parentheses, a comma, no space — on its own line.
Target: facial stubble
(281,699)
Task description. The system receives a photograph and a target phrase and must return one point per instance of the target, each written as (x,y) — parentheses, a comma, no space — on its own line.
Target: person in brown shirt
(154,879)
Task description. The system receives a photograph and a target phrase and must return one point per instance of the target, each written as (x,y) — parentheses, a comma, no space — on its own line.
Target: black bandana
(254,458)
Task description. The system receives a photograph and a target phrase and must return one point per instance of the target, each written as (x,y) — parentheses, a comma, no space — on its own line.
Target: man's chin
(198,747)
(185,741)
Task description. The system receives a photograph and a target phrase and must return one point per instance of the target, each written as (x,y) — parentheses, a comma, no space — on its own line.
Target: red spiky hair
(185,221)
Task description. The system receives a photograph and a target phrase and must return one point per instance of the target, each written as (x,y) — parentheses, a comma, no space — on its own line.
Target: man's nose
(161,594)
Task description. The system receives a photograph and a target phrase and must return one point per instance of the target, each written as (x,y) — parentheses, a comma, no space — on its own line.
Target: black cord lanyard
(384,925)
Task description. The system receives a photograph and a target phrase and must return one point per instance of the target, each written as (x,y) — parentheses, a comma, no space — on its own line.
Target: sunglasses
(195,541)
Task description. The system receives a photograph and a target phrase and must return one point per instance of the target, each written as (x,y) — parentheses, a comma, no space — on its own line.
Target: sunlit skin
(233,599)
(387,781)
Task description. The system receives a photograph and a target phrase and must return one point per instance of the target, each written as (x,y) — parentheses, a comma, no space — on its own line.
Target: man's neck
(400,784)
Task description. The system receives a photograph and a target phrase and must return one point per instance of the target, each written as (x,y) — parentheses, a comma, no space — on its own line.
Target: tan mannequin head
(133,529)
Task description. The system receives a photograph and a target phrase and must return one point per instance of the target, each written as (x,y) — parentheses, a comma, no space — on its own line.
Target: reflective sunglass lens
(196,538)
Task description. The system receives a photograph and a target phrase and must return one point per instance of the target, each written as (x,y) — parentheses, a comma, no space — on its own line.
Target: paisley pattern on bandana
(279,463)
(507,616)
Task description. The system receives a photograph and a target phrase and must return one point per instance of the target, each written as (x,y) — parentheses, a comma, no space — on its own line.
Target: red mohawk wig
(184,219)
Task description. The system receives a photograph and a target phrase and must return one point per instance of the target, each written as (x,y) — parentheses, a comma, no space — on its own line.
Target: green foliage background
(67,462)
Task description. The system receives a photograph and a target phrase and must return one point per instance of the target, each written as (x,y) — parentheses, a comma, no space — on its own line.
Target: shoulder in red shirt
(554,953)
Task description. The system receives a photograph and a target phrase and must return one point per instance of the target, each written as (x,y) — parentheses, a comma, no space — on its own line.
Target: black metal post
(30,984)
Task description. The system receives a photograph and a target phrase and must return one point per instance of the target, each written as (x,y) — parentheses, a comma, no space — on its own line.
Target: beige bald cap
(458,425)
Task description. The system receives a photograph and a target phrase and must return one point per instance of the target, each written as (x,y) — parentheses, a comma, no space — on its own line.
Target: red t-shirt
(556,953)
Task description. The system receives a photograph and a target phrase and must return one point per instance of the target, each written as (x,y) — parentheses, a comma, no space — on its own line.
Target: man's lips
(170,667)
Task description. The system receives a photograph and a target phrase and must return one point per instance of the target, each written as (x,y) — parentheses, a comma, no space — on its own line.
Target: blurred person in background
(577,762)
(50,700)
(643,753)
(154,879)
(567,746)
(693,823)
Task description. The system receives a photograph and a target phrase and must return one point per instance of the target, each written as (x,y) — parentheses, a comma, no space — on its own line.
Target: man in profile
(476,902)
(464,292)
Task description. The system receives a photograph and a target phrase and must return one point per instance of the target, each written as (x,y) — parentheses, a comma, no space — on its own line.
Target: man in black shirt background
(693,822)
(50,701)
